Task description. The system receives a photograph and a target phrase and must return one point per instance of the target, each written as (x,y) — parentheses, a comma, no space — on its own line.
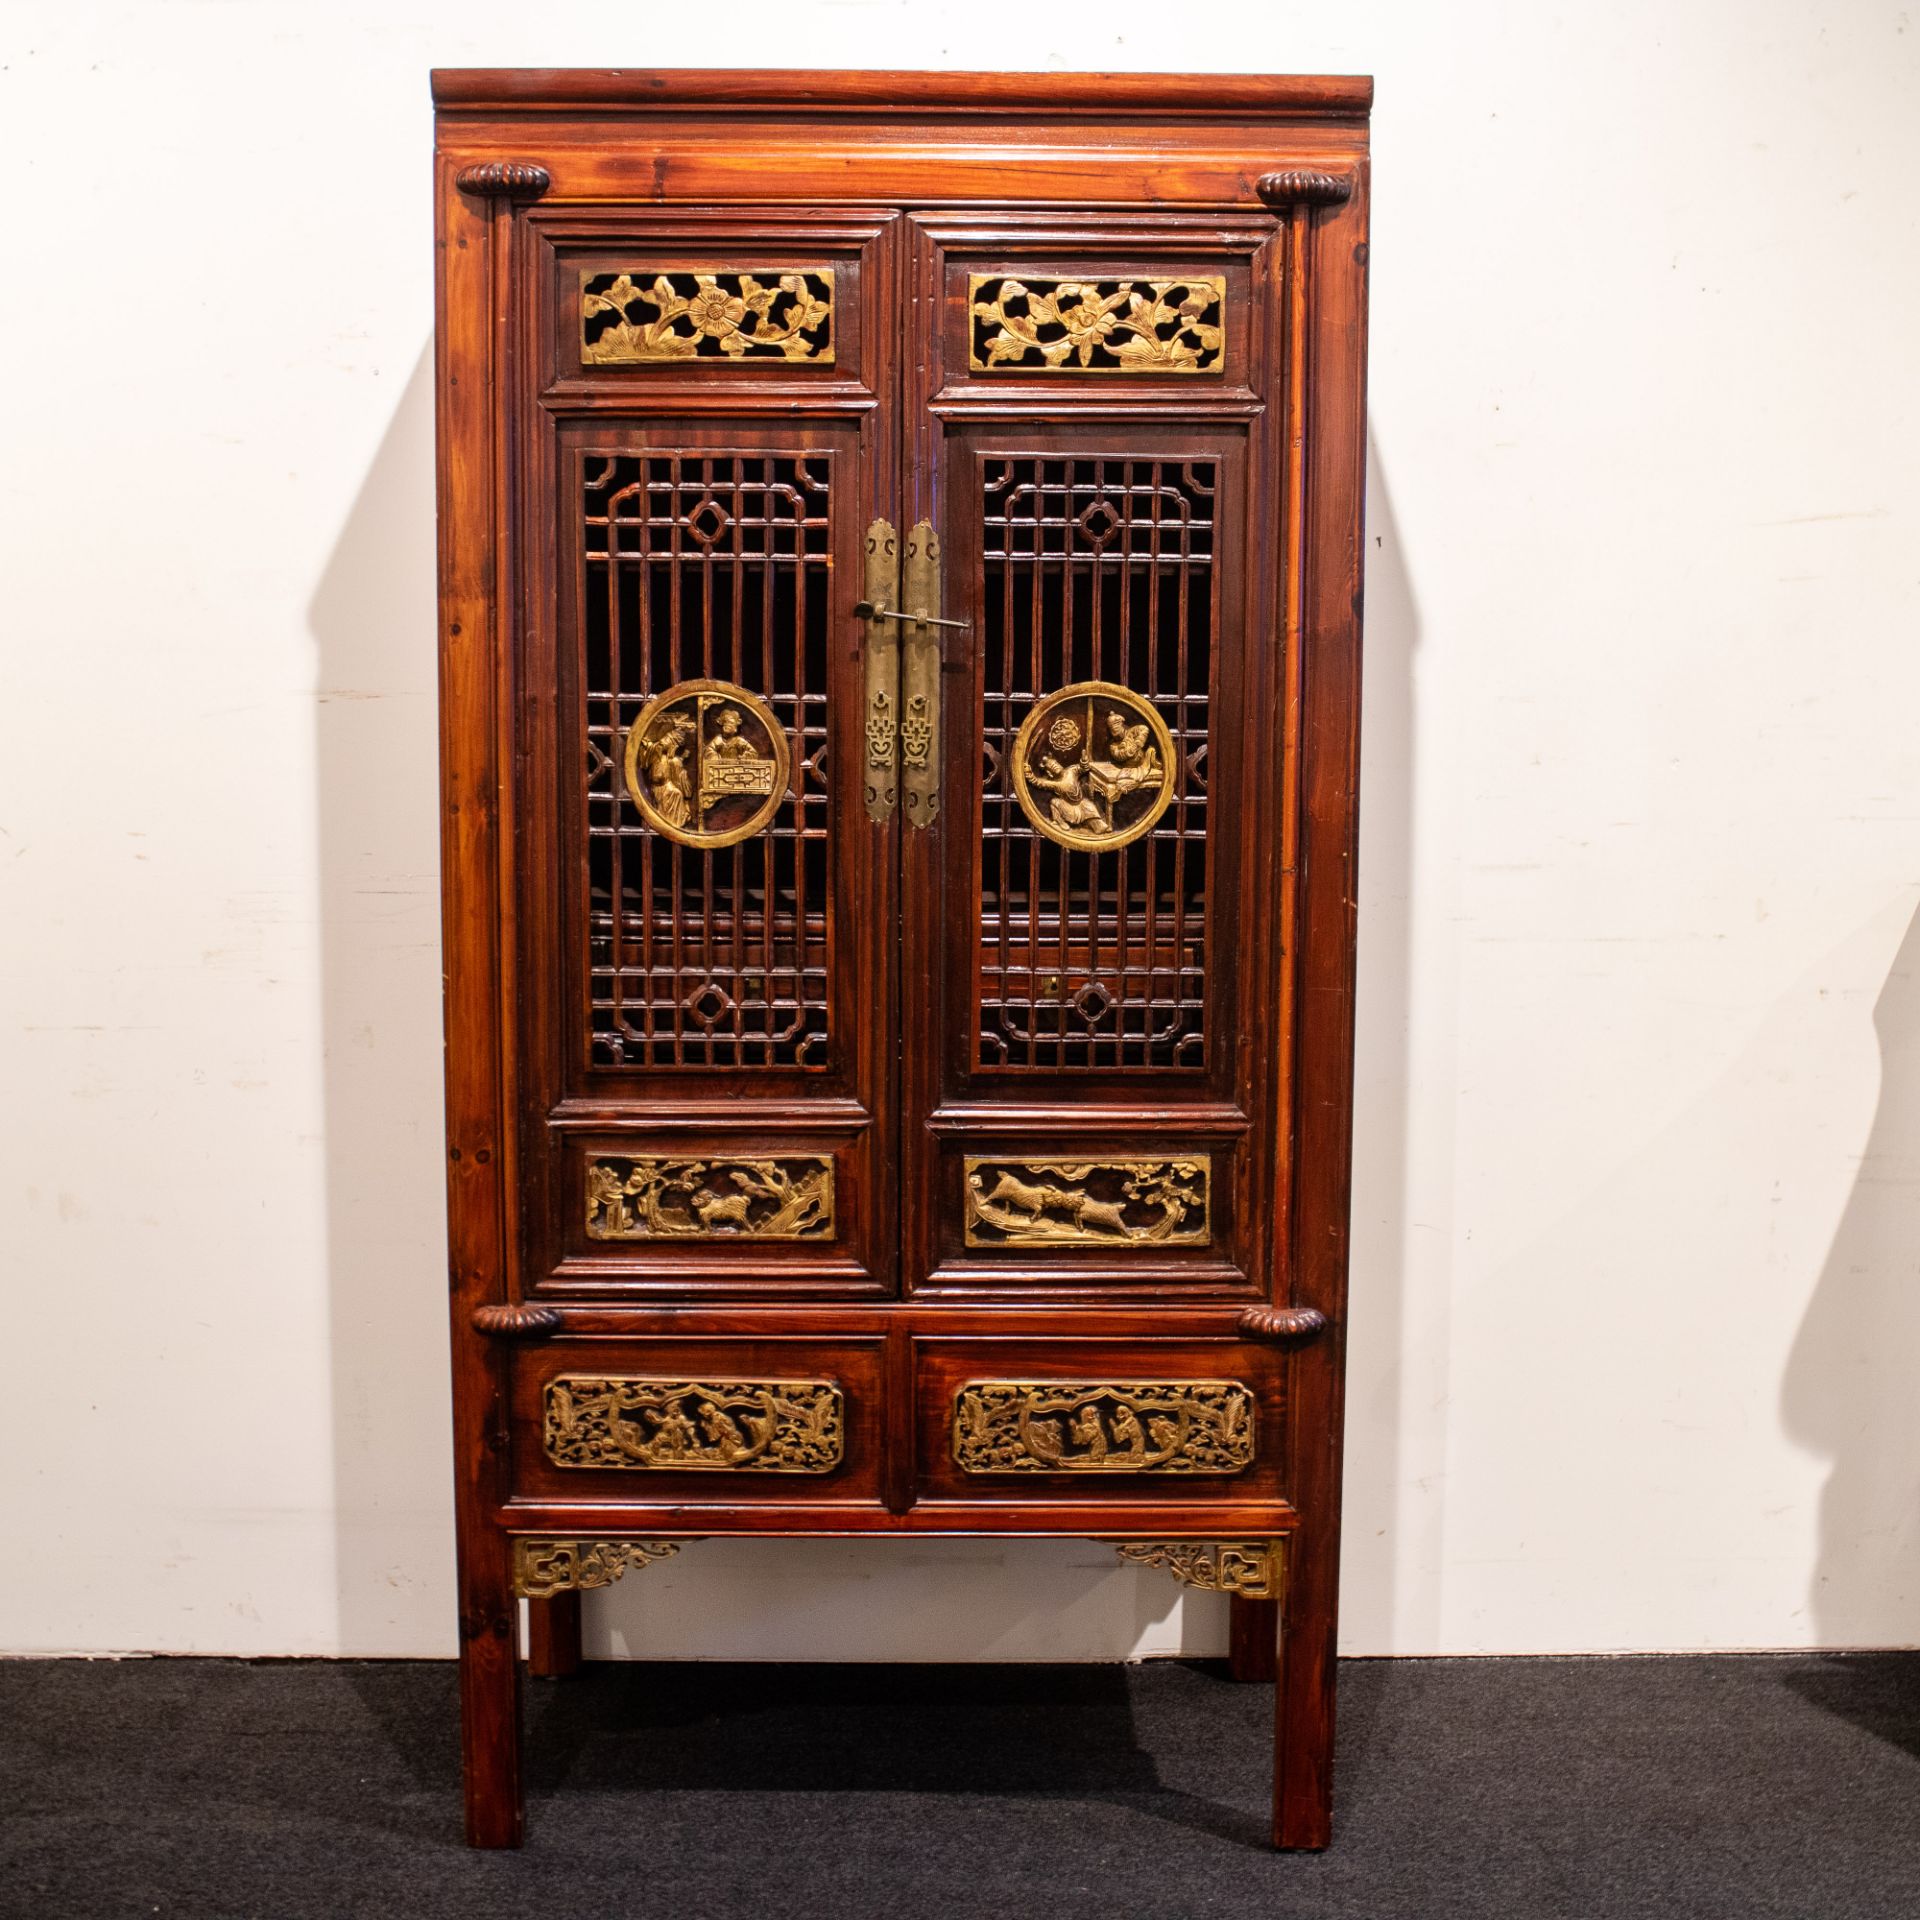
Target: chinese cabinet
(900,560)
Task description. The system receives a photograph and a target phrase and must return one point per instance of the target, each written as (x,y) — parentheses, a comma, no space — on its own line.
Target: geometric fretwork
(707,567)
(1095,570)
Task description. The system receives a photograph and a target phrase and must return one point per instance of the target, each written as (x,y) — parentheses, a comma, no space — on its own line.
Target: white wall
(1635,1311)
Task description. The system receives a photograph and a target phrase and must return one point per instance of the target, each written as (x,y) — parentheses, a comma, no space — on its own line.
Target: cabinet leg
(553,1637)
(490,1696)
(1303,1710)
(1253,1637)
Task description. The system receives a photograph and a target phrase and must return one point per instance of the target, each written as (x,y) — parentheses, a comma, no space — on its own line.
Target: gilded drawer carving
(790,1198)
(1120,1203)
(700,1426)
(1087,1426)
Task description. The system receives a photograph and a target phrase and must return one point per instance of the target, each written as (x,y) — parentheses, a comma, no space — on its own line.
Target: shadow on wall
(1375,1562)
(1850,1391)
(374,622)
(373,619)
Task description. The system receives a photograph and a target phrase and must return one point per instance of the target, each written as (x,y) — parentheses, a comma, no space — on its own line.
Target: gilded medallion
(707,763)
(1093,765)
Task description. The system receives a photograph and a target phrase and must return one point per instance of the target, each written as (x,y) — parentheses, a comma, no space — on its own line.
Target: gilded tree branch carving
(1103,1203)
(701,313)
(1087,1426)
(735,1426)
(1250,1568)
(644,1199)
(542,1568)
(1097,326)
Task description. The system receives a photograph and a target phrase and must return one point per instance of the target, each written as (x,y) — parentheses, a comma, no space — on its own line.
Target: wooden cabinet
(900,582)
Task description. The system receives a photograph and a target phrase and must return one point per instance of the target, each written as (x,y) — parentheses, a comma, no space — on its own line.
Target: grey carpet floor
(1743,1787)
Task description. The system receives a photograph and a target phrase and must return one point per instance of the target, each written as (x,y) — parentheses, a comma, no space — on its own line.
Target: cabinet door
(710,947)
(1091,979)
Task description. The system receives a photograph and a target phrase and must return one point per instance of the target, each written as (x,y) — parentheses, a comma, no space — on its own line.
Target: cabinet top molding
(645,90)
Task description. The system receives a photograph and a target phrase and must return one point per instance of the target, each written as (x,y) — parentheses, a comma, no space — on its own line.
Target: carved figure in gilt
(641,1199)
(1080,1426)
(707,763)
(1106,1203)
(1093,765)
(737,1426)
(690,313)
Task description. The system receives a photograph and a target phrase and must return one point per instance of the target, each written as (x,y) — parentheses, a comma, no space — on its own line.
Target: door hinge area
(920,680)
(903,670)
(881,653)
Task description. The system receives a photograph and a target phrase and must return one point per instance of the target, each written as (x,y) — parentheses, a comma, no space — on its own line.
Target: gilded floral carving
(700,313)
(1097,326)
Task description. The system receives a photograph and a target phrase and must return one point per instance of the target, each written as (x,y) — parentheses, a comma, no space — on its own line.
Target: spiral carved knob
(1281,1323)
(1301,186)
(516,1320)
(504,179)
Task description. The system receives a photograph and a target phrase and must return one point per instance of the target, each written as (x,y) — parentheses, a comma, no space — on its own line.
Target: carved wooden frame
(524,159)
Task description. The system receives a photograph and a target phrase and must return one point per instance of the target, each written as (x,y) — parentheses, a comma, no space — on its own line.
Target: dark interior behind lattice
(707,566)
(1095,569)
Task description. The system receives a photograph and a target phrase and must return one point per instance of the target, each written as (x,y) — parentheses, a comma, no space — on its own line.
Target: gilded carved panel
(706,313)
(1088,1426)
(702,1426)
(1096,326)
(790,1198)
(1093,766)
(542,1568)
(1121,1203)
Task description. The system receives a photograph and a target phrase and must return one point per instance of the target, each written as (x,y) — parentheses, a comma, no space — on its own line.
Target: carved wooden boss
(900,569)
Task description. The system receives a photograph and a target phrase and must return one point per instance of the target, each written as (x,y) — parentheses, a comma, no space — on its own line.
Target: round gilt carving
(505,179)
(707,762)
(1281,1323)
(1093,766)
(1298,186)
(516,1319)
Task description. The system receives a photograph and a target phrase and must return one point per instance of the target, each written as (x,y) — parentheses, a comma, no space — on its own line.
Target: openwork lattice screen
(1095,570)
(707,567)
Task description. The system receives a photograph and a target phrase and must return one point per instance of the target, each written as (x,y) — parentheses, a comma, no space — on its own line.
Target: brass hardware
(742,763)
(545,1567)
(920,691)
(706,313)
(881,654)
(1099,1203)
(694,1426)
(1254,1569)
(1097,326)
(865,610)
(786,1199)
(1103,1426)
(1093,765)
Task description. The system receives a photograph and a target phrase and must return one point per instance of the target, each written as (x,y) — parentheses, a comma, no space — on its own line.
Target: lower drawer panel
(726,1421)
(1098,1420)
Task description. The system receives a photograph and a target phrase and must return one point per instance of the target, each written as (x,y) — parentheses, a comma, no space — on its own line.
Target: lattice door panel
(1098,610)
(706,618)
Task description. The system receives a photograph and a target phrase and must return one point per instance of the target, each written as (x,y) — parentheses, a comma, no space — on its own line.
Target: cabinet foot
(553,1637)
(490,1697)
